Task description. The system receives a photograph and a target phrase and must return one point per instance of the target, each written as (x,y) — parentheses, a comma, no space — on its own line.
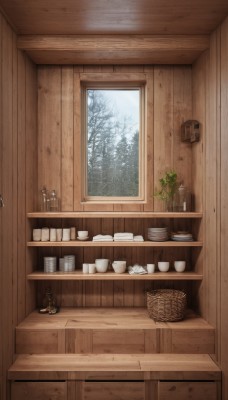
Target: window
(113,143)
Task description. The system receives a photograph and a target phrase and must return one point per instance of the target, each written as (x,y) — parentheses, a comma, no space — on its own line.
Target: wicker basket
(166,304)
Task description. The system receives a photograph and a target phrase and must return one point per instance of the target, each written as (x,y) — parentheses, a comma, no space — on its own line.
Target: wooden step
(114,366)
(112,330)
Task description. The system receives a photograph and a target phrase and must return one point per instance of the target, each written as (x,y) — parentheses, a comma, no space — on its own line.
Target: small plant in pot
(168,187)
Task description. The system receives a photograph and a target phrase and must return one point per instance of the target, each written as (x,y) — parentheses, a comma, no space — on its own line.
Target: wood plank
(115,244)
(115,49)
(67,160)
(187,390)
(113,390)
(136,43)
(49,128)
(77,142)
(39,342)
(115,214)
(118,341)
(182,110)
(39,390)
(31,170)
(21,186)
(1,222)
(224,221)
(163,125)
(169,365)
(149,148)
(7,192)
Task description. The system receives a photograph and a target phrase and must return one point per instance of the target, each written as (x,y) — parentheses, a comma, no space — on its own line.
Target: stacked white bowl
(49,264)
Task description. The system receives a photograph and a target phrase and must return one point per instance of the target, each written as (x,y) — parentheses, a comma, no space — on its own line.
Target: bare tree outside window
(112,144)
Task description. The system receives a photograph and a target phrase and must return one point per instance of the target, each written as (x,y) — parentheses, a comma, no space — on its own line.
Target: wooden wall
(210,73)
(18,185)
(169,103)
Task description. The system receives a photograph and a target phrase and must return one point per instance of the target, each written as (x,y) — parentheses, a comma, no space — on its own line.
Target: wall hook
(1,201)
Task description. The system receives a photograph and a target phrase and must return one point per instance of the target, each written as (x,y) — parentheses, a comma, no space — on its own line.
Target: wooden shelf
(108,214)
(112,276)
(114,244)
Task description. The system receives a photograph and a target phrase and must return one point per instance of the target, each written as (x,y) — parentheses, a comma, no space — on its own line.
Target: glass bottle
(44,200)
(54,202)
(182,199)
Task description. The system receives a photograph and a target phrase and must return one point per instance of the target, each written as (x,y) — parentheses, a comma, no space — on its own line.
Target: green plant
(168,186)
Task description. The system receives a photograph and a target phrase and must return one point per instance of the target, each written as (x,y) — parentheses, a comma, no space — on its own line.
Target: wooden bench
(109,330)
(114,376)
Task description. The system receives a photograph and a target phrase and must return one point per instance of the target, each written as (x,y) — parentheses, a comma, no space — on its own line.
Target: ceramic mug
(150,268)
(163,266)
(101,264)
(179,266)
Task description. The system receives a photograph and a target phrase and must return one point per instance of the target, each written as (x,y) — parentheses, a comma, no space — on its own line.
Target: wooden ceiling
(105,17)
(114,31)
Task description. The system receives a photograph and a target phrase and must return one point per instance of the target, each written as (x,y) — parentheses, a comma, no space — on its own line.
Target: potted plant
(168,189)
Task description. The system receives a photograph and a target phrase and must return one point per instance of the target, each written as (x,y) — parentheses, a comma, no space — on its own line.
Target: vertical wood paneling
(149,145)
(163,124)
(77,142)
(1,221)
(67,161)
(182,111)
(199,113)
(49,128)
(21,188)
(31,162)
(7,190)
(224,197)
(17,186)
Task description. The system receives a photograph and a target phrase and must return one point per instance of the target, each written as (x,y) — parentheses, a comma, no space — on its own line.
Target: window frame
(109,85)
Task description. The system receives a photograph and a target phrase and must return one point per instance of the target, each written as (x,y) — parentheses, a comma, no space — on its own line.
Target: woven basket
(166,304)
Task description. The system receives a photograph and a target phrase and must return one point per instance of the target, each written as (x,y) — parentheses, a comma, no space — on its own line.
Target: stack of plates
(49,264)
(158,234)
(182,236)
(67,264)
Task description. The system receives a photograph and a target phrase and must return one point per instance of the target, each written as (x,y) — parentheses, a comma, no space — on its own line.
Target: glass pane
(113,124)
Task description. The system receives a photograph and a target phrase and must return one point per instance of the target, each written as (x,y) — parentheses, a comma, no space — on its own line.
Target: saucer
(79,238)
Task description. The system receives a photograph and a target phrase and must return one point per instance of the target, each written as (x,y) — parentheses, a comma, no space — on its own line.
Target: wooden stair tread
(107,318)
(196,366)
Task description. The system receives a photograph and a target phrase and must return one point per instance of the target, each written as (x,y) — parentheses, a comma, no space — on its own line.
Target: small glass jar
(182,199)
(44,200)
(54,201)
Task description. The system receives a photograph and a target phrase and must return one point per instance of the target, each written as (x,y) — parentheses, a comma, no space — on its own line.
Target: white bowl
(179,266)
(83,234)
(101,265)
(119,266)
(163,266)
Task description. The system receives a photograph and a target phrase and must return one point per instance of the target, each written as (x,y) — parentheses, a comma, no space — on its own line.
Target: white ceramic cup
(53,235)
(66,234)
(179,266)
(102,264)
(85,268)
(150,268)
(163,266)
(92,268)
(45,234)
(59,234)
(72,233)
(36,235)
(83,234)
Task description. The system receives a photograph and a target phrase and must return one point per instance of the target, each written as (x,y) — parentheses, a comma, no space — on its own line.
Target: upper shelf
(114,214)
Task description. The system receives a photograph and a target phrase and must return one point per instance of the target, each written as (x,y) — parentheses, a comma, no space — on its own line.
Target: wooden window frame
(126,82)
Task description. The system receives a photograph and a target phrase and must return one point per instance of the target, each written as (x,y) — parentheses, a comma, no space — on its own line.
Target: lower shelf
(112,330)
(112,276)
